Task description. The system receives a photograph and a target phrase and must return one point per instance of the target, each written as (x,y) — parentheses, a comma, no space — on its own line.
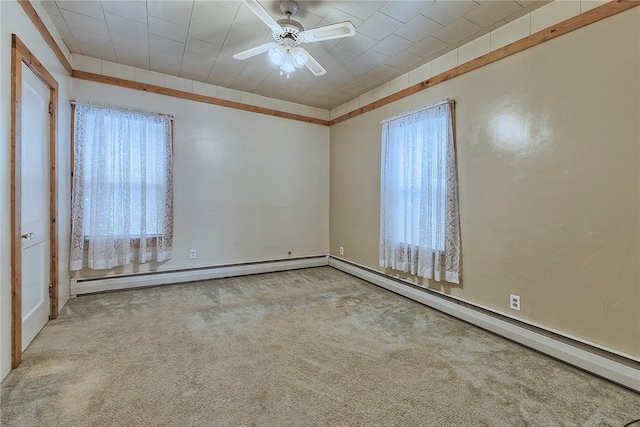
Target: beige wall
(549,160)
(14,20)
(247,186)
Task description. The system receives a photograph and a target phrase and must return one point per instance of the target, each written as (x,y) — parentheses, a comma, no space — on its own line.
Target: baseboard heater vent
(621,373)
(102,284)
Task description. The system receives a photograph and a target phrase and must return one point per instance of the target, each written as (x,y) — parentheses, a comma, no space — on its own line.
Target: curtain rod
(426,107)
(119,108)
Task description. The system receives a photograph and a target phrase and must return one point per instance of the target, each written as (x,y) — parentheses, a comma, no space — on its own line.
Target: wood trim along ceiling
(114,81)
(601,12)
(21,54)
(44,32)
(564,27)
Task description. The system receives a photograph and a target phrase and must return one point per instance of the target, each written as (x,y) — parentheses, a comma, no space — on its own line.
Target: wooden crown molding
(594,15)
(114,81)
(564,27)
(44,32)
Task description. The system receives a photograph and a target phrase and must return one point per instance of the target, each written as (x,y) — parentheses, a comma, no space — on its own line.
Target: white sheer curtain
(419,220)
(122,201)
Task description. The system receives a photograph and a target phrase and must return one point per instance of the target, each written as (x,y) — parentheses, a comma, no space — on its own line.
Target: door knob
(27,236)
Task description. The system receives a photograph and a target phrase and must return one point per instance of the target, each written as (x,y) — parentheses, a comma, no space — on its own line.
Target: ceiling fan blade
(314,66)
(255,50)
(333,31)
(264,16)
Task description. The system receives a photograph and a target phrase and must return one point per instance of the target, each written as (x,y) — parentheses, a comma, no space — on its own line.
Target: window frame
(419,207)
(134,238)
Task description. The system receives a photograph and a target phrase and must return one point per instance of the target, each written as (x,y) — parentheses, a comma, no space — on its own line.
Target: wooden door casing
(21,54)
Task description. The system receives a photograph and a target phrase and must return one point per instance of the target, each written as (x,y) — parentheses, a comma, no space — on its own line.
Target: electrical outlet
(192,253)
(514,302)
(341,250)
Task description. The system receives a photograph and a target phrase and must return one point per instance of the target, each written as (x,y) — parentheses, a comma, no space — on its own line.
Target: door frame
(19,55)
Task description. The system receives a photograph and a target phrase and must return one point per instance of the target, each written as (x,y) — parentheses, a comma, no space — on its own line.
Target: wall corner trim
(624,374)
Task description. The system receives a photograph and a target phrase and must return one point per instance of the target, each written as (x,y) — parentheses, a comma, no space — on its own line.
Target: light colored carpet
(312,347)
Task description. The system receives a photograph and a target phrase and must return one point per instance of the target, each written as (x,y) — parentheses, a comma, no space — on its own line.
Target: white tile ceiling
(196,39)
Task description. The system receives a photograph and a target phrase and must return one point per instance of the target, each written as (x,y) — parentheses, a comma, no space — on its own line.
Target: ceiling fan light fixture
(288,34)
(288,65)
(277,55)
(299,57)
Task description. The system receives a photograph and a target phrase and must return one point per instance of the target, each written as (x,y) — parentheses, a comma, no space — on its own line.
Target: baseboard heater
(624,374)
(156,278)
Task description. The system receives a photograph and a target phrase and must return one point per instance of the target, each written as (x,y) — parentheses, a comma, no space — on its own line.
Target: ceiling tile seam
(65,21)
(227,35)
(113,45)
(447,49)
(577,21)
(186,40)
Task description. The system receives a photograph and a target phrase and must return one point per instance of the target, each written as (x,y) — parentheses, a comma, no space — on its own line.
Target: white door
(35,206)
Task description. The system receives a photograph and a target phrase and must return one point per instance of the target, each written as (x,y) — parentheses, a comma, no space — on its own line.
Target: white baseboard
(594,363)
(87,286)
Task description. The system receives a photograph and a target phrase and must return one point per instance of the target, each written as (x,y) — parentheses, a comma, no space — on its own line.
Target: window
(122,203)
(419,222)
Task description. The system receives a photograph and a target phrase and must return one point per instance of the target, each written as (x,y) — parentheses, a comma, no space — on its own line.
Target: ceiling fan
(288,35)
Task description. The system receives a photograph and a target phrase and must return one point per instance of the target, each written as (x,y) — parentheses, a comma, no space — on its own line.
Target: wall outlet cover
(514,302)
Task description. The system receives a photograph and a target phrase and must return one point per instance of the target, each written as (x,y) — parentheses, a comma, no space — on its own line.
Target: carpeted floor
(311,347)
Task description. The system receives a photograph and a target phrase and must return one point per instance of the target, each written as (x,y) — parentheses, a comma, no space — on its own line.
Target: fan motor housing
(292,30)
